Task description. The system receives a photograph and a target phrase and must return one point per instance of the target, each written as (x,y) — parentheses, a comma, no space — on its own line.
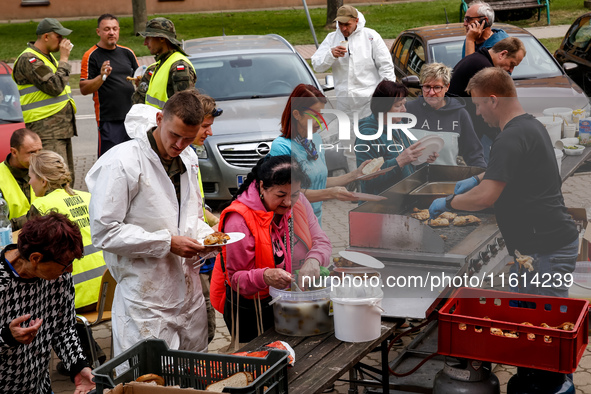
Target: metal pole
(310,23)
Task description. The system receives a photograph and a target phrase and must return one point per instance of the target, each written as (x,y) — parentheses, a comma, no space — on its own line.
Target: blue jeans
(547,278)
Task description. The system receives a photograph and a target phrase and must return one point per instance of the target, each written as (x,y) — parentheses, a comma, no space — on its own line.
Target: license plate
(240,180)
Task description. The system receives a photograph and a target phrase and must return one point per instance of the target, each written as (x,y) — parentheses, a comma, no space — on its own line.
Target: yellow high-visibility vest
(156,96)
(87,271)
(37,105)
(18,204)
(202,194)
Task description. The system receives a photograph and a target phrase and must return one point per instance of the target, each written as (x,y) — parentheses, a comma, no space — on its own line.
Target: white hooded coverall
(133,215)
(364,66)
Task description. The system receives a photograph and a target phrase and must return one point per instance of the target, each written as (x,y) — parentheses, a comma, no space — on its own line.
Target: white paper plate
(368,197)
(432,144)
(380,172)
(362,259)
(234,237)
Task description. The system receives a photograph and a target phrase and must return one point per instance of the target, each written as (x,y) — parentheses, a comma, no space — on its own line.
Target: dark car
(11,117)
(539,77)
(574,53)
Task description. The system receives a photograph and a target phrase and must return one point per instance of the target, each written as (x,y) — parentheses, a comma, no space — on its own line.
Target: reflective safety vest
(88,271)
(202,195)
(156,95)
(37,105)
(18,204)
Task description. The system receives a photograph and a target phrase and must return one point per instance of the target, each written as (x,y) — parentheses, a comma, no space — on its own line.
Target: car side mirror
(329,83)
(569,67)
(411,81)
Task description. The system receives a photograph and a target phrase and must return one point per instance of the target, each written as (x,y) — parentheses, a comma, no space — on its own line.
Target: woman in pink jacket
(282,235)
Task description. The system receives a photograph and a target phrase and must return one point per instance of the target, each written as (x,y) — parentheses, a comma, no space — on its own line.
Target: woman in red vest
(262,209)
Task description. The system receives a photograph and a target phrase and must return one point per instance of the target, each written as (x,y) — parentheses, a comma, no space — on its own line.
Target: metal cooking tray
(438,188)
(426,193)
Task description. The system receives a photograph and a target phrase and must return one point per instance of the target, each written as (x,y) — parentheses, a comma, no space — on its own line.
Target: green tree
(331,12)
(140,15)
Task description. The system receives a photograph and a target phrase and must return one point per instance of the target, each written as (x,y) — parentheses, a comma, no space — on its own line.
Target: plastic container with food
(573,150)
(302,313)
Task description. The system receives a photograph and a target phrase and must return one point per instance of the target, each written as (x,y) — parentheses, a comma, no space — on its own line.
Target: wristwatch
(448,202)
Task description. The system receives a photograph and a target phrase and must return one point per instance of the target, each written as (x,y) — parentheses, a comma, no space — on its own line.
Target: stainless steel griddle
(411,249)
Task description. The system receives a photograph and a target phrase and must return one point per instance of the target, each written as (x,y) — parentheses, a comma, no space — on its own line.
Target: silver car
(250,77)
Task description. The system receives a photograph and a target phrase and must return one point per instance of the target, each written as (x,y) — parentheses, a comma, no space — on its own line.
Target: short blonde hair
(208,104)
(435,71)
(51,167)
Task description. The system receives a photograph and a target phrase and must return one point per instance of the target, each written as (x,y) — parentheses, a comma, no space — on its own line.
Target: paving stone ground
(576,191)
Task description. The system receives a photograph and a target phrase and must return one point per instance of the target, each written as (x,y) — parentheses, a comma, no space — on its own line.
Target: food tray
(462,316)
(426,193)
(192,369)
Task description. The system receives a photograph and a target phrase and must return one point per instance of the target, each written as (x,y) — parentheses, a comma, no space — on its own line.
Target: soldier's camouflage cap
(161,27)
(49,25)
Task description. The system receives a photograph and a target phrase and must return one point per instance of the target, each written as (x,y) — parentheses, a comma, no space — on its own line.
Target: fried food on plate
(217,238)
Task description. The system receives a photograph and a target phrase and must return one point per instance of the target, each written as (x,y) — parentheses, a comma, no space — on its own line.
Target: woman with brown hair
(304,103)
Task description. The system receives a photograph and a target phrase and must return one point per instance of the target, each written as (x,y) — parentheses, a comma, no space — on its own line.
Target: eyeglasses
(65,265)
(436,89)
(469,18)
(217,112)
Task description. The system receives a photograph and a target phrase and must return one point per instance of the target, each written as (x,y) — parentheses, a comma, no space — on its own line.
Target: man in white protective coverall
(146,215)
(360,60)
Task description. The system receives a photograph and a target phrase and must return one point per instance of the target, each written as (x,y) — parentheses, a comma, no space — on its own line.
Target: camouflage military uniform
(57,130)
(181,77)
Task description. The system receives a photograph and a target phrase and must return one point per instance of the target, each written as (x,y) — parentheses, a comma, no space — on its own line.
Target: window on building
(34,2)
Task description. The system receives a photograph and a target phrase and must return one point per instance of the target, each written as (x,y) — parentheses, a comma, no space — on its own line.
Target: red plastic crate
(463,315)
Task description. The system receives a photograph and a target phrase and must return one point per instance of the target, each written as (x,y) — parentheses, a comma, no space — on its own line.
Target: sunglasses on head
(217,112)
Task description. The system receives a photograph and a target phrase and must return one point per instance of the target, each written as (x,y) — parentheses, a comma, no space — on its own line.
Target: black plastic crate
(192,369)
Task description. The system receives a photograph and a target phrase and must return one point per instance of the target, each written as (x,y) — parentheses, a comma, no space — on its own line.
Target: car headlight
(201,151)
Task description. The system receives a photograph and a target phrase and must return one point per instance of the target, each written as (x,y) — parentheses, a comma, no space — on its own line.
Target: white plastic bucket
(564,113)
(357,319)
(559,156)
(554,127)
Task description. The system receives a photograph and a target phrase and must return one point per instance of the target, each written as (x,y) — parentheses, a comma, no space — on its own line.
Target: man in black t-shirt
(104,71)
(523,183)
(506,54)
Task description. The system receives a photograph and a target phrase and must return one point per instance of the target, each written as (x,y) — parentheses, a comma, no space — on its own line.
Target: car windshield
(538,63)
(580,36)
(10,106)
(250,76)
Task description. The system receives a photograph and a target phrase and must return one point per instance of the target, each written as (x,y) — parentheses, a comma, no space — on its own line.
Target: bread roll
(150,377)
(373,166)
